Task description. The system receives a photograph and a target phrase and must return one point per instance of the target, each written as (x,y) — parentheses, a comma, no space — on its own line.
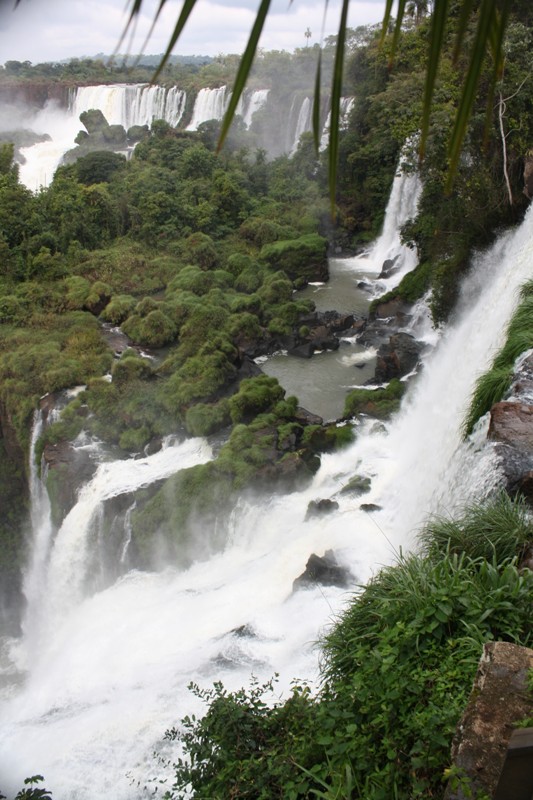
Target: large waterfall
(126,105)
(102,671)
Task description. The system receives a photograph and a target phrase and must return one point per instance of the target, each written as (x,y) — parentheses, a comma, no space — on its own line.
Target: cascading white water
(121,104)
(34,579)
(209,104)
(303,123)
(112,671)
(212,104)
(130,104)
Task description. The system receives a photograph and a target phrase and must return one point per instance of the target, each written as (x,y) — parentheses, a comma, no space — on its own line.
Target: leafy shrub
(118,309)
(157,329)
(254,396)
(130,367)
(202,419)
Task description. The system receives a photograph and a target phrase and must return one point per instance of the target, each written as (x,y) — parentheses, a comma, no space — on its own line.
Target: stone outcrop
(397,357)
(499,700)
(67,470)
(511,431)
(324,570)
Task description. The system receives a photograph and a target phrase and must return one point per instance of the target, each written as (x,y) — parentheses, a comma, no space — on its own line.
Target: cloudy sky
(52,30)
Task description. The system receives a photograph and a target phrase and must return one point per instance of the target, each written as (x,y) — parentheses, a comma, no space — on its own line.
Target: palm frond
(336,91)
(245,66)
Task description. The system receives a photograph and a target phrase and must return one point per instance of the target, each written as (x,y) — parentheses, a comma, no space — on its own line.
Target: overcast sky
(52,30)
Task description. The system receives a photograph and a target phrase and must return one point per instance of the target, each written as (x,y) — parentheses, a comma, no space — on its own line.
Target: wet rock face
(511,430)
(398,357)
(68,469)
(324,570)
(498,700)
(512,423)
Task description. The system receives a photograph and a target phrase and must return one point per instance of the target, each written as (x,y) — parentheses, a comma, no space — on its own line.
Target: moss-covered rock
(305,257)
(379,403)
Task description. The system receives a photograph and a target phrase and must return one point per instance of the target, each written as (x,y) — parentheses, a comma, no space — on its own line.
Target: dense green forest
(198,256)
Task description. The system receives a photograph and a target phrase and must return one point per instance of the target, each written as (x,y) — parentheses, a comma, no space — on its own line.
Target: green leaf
(336,90)
(245,66)
(436,39)
(316,103)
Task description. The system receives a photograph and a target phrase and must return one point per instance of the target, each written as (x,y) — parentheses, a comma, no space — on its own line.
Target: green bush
(130,367)
(119,308)
(255,395)
(202,419)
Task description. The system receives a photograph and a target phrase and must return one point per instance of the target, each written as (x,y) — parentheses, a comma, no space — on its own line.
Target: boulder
(94,120)
(321,508)
(389,268)
(323,570)
(499,699)
(67,469)
(398,357)
(357,485)
(512,423)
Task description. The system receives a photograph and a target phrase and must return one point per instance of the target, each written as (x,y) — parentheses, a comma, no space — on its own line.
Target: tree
(307,35)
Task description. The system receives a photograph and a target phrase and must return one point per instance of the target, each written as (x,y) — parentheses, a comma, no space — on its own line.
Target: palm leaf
(245,66)
(316,102)
(438,27)
(336,91)
(487,17)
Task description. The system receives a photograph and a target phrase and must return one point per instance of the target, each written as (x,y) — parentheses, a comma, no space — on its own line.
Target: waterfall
(212,104)
(34,585)
(130,104)
(402,206)
(121,104)
(112,671)
(209,104)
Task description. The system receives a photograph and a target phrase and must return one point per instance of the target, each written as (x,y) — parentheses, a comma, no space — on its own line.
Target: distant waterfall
(130,104)
(212,104)
(303,122)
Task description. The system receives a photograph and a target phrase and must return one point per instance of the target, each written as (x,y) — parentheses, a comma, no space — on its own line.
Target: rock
(389,268)
(324,570)
(364,286)
(395,308)
(356,486)
(306,417)
(68,469)
(94,120)
(369,507)
(305,350)
(398,357)
(320,508)
(499,699)
(512,423)
(115,135)
(244,632)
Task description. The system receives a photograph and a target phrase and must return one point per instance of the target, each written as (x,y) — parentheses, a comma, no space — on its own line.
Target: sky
(53,30)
